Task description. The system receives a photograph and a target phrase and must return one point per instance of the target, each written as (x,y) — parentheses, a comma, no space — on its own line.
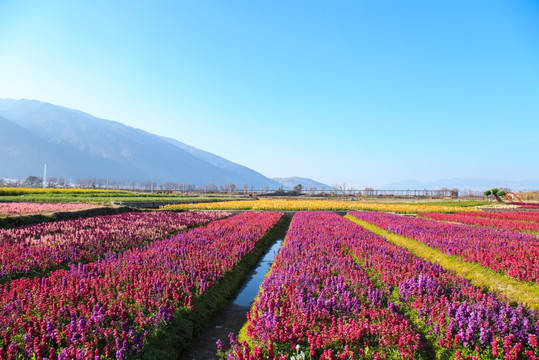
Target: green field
(105,198)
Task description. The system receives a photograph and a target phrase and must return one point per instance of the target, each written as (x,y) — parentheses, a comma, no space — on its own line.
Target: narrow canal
(234,315)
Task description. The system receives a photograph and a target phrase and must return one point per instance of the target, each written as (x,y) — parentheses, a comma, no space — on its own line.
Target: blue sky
(362,92)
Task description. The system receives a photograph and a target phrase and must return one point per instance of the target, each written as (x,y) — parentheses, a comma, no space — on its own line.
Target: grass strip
(515,291)
(172,341)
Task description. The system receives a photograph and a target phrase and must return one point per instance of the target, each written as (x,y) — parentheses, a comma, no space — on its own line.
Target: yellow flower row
(23,191)
(293,205)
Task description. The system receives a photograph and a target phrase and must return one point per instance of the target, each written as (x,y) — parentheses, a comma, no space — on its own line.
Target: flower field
(7,191)
(459,319)
(111,307)
(109,287)
(512,253)
(337,291)
(22,208)
(492,221)
(319,205)
(510,215)
(37,248)
(319,298)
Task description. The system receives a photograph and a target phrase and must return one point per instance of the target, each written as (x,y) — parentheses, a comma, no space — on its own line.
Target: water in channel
(234,315)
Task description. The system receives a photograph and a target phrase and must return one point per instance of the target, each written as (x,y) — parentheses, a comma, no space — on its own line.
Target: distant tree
(340,188)
(32,181)
(52,181)
(298,188)
(212,188)
(496,193)
(232,187)
(61,181)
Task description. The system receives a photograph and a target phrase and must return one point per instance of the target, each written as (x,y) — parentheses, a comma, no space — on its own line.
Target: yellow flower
(293,205)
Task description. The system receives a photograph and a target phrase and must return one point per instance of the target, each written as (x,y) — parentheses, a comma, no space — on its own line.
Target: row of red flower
(36,248)
(337,291)
(106,309)
(509,252)
(499,223)
(509,215)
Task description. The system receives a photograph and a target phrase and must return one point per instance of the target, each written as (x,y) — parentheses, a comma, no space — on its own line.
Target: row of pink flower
(106,309)
(32,250)
(72,226)
(483,221)
(509,215)
(23,208)
(461,318)
(513,253)
(318,299)
(525,205)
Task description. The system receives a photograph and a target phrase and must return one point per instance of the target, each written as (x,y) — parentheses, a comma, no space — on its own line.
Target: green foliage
(488,192)
(107,198)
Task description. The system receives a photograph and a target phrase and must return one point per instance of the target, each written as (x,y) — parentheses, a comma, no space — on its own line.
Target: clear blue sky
(362,92)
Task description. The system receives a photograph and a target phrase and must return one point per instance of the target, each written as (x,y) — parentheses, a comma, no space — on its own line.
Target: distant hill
(75,144)
(289,182)
(463,184)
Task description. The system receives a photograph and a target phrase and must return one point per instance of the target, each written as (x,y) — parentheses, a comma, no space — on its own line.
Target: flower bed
(34,249)
(459,319)
(22,208)
(514,254)
(508,215)
(109,308)
(492,221)
(319,301)
(301,205)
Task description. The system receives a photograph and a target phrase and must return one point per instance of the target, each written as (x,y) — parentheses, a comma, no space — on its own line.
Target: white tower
(45,176)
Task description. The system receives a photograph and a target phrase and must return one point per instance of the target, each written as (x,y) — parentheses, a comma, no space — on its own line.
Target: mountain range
(75,144)
(289,183)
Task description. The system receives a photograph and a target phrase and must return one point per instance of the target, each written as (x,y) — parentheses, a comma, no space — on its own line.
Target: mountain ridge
(289,182)
(77,144)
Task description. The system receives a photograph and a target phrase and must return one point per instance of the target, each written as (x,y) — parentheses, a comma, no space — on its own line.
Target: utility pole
(45,176)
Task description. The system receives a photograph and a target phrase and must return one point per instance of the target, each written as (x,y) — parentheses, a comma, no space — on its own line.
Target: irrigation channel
(234,314)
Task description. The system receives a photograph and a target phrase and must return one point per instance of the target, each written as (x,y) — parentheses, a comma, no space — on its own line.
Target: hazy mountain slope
(290,182)
(24,154)
(247,173)
(108,148)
